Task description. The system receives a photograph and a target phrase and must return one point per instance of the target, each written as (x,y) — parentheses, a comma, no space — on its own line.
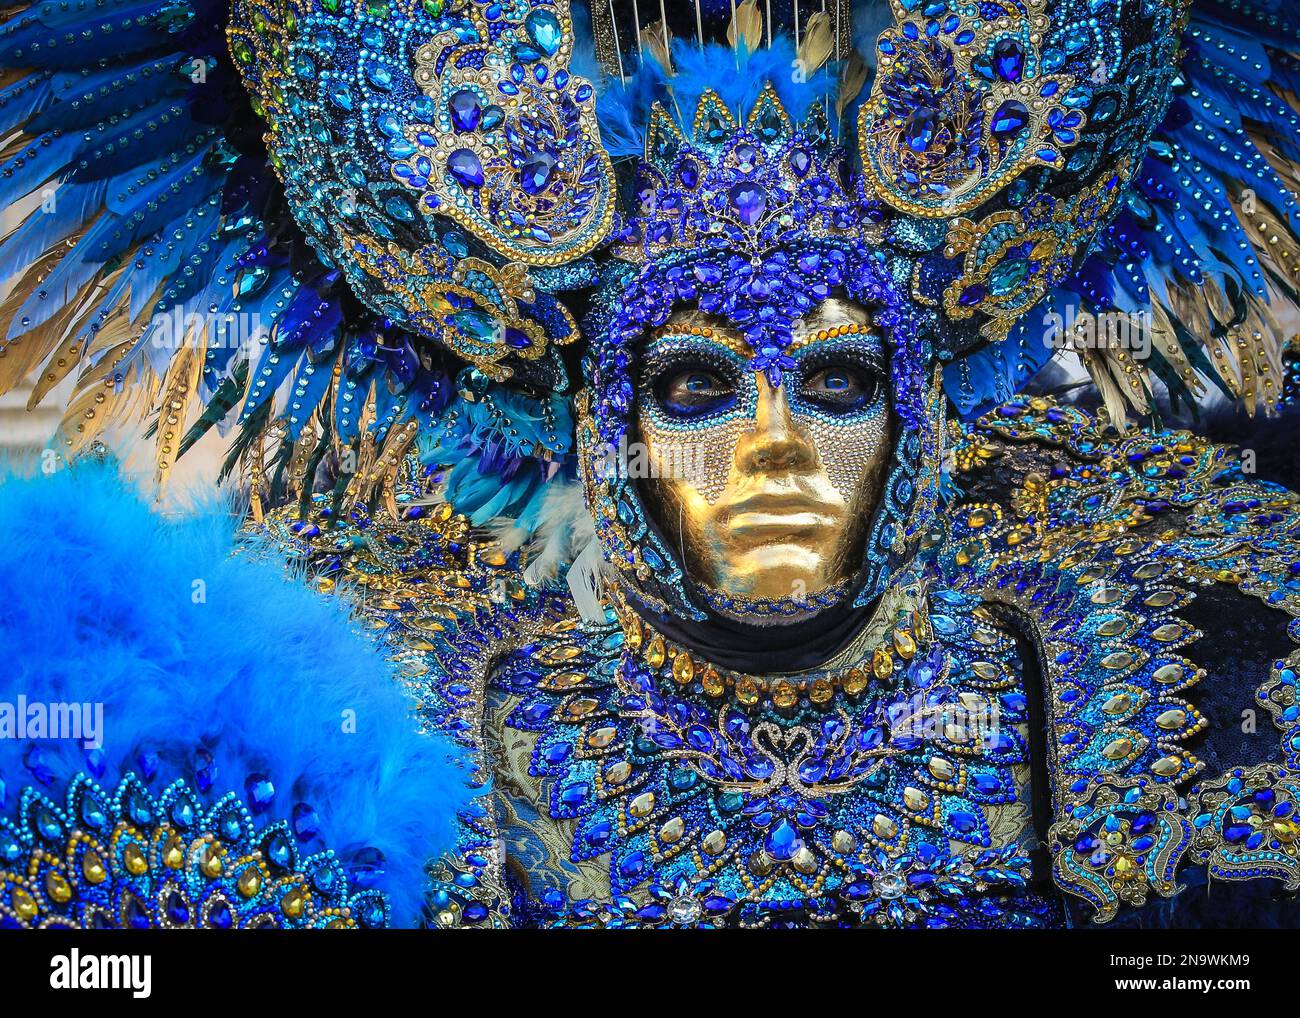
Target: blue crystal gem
(279,852)
(261,792)
(306,822)
(782,842)
(750,202)
(178,909)
(366,867)
(1008,59)
(136,916)
(1010,118)
(536,172)
(1008,275)
(920,129)
(466,168)
(465,109)
(543,28)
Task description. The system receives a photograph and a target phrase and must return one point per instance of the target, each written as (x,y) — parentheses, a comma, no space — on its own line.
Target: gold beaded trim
(733,341)
(739,345)
(783,692)
(851,329)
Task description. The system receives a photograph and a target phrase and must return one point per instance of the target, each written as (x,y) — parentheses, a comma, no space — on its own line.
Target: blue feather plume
(190,648)
(737,76)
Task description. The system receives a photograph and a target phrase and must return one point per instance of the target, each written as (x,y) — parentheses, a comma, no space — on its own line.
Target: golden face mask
(766,491)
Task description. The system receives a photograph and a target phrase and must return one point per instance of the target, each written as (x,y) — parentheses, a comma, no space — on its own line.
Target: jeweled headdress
(403,208)
(753,220)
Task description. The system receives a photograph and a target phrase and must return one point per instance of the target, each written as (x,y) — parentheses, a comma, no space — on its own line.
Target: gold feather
(180,387)
(1258,352)
(657,38)
(1245,354)
(1195,307)
(11,370)
(14,146)
(74,345)
(1131,377)
(1097,365)
(746,27)
(1271,238)
(389,462)
(818,42)
(1285,168)
(301,457)
(57,368)
(852,78)
(1165,341)
(266,450)
(20,356)
(365,450)
(253,462)
(98,401)
(113,330)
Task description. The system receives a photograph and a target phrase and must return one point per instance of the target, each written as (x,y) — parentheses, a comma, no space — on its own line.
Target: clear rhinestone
(684,909)
(890,885)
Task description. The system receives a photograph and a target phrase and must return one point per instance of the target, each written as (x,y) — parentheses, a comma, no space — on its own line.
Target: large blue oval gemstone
(922,124)
(536,172)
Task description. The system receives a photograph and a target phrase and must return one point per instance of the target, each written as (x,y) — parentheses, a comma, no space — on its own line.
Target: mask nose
(775,442)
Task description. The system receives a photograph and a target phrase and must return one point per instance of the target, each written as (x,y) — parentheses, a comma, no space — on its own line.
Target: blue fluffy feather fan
(199,655)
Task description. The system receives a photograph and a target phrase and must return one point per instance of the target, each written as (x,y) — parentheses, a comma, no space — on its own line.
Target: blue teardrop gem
(466,110)
(466,168)
(1010,117)
(1008,59)
(220,917)
(543,28)
(782,842)
(178,909)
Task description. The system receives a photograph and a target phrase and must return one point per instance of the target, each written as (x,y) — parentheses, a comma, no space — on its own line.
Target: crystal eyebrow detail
(736,344)
(802,340)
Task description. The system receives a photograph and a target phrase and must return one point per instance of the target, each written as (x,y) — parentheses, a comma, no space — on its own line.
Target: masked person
(668,434)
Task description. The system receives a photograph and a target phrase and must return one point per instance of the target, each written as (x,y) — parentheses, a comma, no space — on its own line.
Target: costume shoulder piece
(451,605)
(1158,580)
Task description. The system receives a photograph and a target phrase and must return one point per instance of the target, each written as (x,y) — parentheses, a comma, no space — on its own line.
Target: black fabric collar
(762,650)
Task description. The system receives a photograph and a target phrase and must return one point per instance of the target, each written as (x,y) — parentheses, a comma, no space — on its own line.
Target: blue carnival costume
(470,229)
